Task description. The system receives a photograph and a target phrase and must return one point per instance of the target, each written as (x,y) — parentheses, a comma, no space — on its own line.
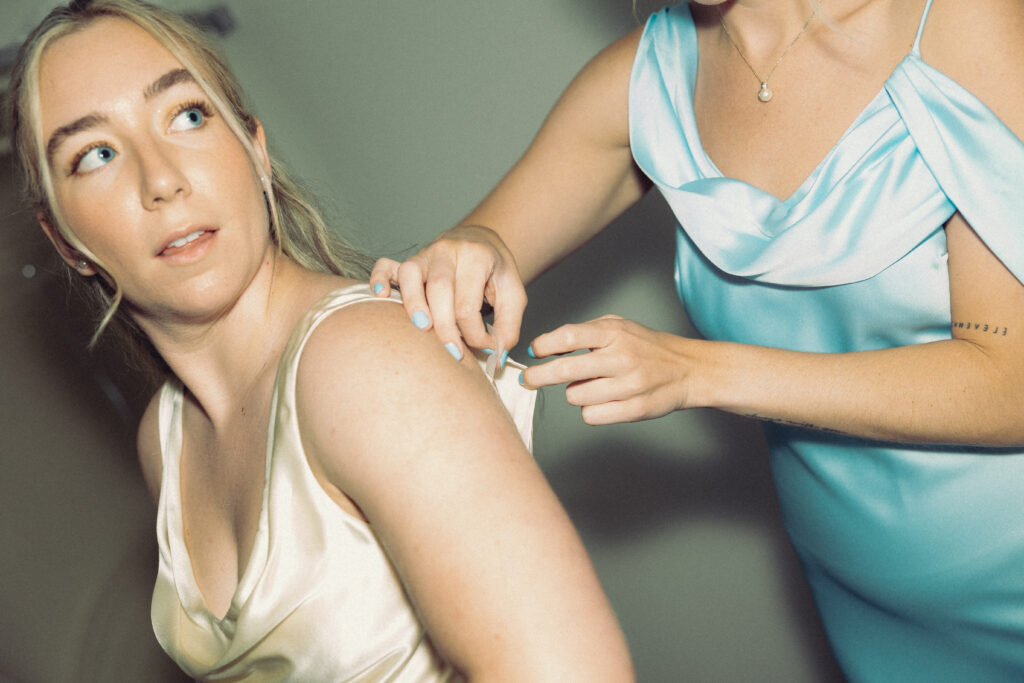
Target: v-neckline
(190,593)
(711,169)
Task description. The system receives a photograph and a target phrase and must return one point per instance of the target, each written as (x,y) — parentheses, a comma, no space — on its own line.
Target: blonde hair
(295,223)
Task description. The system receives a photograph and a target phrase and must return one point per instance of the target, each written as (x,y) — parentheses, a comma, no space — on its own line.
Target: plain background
(400,115)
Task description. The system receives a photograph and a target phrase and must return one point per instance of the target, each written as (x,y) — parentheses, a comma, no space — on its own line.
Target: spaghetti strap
(920,29)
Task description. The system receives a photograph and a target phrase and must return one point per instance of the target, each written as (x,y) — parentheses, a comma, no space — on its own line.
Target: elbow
(999,424)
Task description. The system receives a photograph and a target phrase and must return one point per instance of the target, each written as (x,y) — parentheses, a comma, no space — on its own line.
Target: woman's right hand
(445,285)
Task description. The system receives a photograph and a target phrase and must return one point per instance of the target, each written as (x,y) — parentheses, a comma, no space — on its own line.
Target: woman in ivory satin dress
(847,178)
(339,499)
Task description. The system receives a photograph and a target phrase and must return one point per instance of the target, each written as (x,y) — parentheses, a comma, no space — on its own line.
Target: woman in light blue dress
(849,188)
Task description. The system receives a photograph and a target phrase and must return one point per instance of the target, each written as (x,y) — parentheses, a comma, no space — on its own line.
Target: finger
(579,368)
(468,299)
(440,297)
(384,271)
(509,301)
(574,337)
(598,390)
(410,277)
(612,412)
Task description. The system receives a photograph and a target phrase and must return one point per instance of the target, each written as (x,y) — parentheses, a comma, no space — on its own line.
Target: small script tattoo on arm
(796,423)
(998,330)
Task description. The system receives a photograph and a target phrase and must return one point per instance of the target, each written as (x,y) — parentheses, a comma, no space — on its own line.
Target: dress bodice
(318,599)
(894,177)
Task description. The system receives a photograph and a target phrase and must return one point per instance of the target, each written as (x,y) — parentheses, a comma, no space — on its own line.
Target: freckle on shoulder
(366,332)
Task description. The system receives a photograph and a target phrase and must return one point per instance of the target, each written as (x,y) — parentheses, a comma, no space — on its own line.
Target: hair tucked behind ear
(296,225)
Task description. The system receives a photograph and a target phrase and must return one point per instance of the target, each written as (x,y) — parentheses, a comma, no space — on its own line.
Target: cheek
(230,177)
(97,218)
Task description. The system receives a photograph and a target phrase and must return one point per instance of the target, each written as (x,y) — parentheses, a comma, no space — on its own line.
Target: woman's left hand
(631,372)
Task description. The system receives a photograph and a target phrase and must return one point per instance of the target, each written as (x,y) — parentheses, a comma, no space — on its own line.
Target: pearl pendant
(764,94)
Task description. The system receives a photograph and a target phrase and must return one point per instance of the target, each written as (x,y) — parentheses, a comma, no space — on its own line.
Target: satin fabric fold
(906,146)
(915,554)
(318,599)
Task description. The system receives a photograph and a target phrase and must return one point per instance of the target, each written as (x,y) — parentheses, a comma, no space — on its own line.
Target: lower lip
(191,252)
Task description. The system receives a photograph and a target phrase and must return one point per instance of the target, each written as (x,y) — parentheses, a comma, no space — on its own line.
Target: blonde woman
(847,182)
(339,498)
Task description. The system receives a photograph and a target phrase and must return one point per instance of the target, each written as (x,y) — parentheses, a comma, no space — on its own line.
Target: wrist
(711,378)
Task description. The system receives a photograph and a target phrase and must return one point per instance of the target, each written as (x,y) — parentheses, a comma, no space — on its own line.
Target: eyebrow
(168,80)
(76,126)
(165,82)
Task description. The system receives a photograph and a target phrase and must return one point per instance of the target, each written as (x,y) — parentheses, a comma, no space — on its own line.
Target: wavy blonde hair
(296,225)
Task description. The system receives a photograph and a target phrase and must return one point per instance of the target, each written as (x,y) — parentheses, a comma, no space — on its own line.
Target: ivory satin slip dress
(318,600)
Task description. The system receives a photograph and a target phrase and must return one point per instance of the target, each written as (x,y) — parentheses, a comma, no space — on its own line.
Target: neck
(222,359)
(761,28)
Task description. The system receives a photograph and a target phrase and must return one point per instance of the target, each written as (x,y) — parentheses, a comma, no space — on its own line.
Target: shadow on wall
(76,525)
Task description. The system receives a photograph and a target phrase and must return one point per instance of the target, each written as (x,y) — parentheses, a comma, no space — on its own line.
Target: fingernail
(377,287)
(421,320)
(504,357)
(487,352)
(529,351)
(521,382)
(453,349)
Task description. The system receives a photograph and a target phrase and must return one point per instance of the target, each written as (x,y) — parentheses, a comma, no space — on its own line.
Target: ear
(259,139)
(70,255)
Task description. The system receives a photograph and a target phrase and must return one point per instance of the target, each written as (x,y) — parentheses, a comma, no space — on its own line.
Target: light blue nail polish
(504,357)
(377,287)
(521,382)
(453,349)
(420,320)
(487,352)
(529,351)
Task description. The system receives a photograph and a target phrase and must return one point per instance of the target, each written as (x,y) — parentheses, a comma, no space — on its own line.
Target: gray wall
(401,115)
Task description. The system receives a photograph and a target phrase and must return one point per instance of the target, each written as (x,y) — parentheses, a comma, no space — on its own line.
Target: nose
(162,178)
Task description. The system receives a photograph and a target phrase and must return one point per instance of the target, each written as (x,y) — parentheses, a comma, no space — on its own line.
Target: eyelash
(203,108)
(77,159)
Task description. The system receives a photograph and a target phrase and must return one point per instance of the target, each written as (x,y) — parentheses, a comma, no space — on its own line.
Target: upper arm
(148,446)
(979,44)
(577,175)
(487,554)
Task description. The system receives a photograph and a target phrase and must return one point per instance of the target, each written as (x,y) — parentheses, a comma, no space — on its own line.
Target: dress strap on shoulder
(920,29)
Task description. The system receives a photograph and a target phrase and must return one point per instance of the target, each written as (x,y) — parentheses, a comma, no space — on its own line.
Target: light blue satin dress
(915,554)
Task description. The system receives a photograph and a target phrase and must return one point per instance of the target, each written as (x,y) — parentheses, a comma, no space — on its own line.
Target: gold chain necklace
(765,93)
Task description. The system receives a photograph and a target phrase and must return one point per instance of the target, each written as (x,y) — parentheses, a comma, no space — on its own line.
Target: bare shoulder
(980,44)
(421,444)
(375,338)
(373,393)
(596,100)
(148,446)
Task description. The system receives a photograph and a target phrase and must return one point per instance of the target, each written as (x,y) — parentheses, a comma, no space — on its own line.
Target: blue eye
(94,158)
(193,117)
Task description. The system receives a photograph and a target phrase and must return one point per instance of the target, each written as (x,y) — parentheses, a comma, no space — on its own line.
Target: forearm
(944,392)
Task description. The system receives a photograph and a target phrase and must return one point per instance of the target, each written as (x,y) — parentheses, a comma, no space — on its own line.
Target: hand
(445,285)
(631,372)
